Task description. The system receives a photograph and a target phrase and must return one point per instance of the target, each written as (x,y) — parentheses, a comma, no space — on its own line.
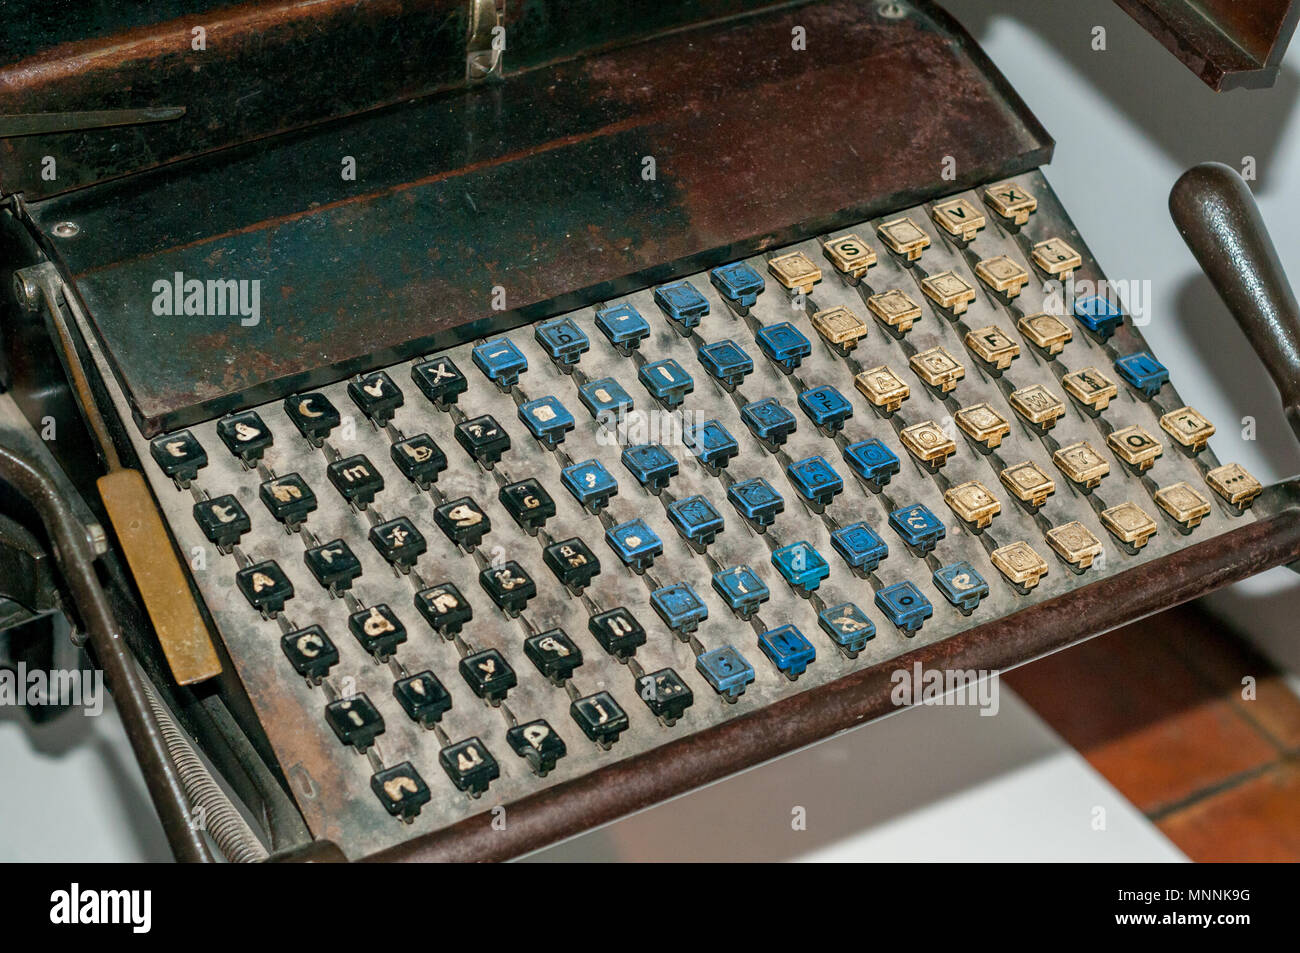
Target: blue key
(784,344)
(919,527)
(1098,315)
(903,604)
(961,585)
(696,519)
(726,670)
(848,626)
(683,305)
(826,407)
(873,461)
(1143,371)
(635,543)
(802,566)
(769,421)
(789,651)
(666,381)
(756,500)
(743,591)
(738,283)
(712,444)
(624,326)
(547,420)
(563,340)
(860,545)
(815,479)
(590,484)
(651,464)
(680,608)
(606,399)
(726,361)
(501,361)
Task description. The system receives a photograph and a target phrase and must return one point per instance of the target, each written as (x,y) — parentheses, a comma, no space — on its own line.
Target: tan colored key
(1048,332)
(904,237)
(1011,202)
(1135,446)
(1075,544)
(1082,464)
(983,423)
(1130,524)
(1090,387)
(1002,274)
(1020,564)
(1028,482)
(948,290)
(1056,258)
(883,388)
(1038,405)
(937,368)
(796,271)
(1188,427)
(895,308)
(928,443)
(1234,483)
(959,218)
(1183,503)
(850,255)
(992,346)
(840,327)
(973,503)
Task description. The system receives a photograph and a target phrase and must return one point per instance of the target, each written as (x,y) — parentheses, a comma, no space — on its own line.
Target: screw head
(66,229)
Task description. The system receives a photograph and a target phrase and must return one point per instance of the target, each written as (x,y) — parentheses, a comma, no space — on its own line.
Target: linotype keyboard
(451,582)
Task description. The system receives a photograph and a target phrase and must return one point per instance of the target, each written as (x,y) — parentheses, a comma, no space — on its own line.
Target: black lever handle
(1217,217)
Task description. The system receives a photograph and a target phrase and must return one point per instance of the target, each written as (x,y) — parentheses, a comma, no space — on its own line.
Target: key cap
(848,627)
(850,255)
(937,368)
(562,340)
(483,439)
(840,328)
(860,545)
(355,721)
(590,483)
(1037,405)
(463,521)
(488,675)
(618,632)
(356,479)
(961,585)
(1091,388)
(1046,331)
(883,388)
(802,566)
(665,694)
(726,671)
(313,414)
(538,744)
(795,271)
(1188,427)
(993,346)
(509,586)
(904,237)
(419,459)
(1098,315)
(572,562)
(904,606)
(949,291)
(787,649)
(528,504)
(424,699)
(440,380)
(872,461)
(180,455)
(378,630)
(245,435)
(666,381)
(1082,464)
(401,790)
(399,542)
(1235,485)
(682,304)
(223,521)
(1029,482)
(1056,258)
(1135,447)
(310,652)
(635,543)
(444,608)
(712,444)
(1076,546)
(651,464)
(265,586)
(547,420)
(769,421)
(815,480)
(1003,274)
(1011,202)
(1184,505)
(695,518)
(679,607)
(784,345)
(738,283)
(959,218)
(918,526)
(605,399)
(554,654)
(973,503)
(929,443)
(470,766)
(1020,564)
(826,407)
(757,501)
(377,396)
(726,362)
(1143,372)
(1129,524)
(623,325)
(601,718)
(500,361)
(983,424)
(333,564)
(742,590)
(895,308)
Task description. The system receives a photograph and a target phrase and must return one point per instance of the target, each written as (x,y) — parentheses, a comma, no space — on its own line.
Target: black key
(572,562)
(376,395)
(313,414)
(265,586)
(355,720)
(444,608)
(600,718)
(554,654)
(399,542)
(419,459)
(509,586)
(488,674)
(537,743)
(333,564)
(356,479)
(422,697)
(288,498)
(378,630)
(440,380)
(463,521)
(483,439)
(666,694)
(180,455)
(310,651)
(618,632)
(528,503)
(469,765)
(245,435)
(401,790)
(223,520)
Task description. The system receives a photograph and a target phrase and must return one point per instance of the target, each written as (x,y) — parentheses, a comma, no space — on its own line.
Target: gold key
(1028,482)
(1002,274)
(1011,202)
(1188,427)
(1075,544)
(1020,564)
(1056,258)
(1130,524)
(895,308)
(958,218)
(1048,332)
(1184,504)
(796,271)
(993,347)
(883,388)
(983,423)
(1038,405)
(850,255)
(928,443)
(973,503)
(1090,387)
(948,290)
(840,328)
(938,368)
(1082,464)
(1234,483)
(904,237)
(1135,447)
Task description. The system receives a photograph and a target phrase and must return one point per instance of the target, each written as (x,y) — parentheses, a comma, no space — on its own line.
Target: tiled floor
(1163,709)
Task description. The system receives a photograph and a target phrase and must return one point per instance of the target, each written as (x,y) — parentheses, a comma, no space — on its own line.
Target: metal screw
(66,229)
(26,291)
(892,11)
